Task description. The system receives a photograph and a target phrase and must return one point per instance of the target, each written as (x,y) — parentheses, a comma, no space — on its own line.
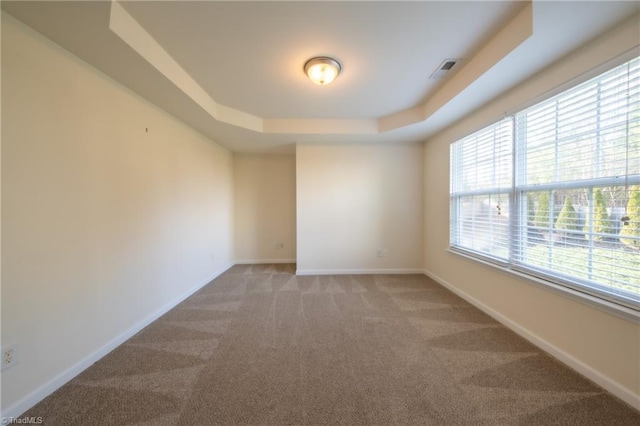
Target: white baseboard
(48,388)
(606,382)
(357,271)
(263,261)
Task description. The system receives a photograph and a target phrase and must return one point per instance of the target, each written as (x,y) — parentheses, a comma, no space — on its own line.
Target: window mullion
(515,215)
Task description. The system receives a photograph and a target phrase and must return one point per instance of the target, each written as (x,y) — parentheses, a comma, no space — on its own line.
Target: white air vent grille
(446,66)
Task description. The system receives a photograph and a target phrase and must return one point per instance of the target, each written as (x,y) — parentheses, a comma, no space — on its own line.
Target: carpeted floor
(259,345)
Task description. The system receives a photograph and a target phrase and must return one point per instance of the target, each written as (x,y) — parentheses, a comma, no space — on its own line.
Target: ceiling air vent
(444,68)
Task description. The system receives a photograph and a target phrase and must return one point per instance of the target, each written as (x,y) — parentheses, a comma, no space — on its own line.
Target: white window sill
(589,300)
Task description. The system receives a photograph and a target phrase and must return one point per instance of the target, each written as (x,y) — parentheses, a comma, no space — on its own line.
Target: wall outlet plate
(9,356)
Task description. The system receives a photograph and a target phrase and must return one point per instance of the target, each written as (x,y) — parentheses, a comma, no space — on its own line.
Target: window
(554,191)
(481,181)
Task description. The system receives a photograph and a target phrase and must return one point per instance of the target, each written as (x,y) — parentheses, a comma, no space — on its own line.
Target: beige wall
(104,225)
(265,208)
(353,199)
(597,343)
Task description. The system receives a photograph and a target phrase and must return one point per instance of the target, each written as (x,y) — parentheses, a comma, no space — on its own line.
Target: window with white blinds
(481,184)
(554,191)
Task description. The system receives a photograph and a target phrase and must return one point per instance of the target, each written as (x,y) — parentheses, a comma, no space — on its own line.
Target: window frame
(586,290)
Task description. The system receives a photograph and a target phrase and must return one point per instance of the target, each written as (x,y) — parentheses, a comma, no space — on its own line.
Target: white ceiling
(241,62)
(250,55)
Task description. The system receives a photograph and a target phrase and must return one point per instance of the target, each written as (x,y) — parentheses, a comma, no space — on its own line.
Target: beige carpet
(259,345)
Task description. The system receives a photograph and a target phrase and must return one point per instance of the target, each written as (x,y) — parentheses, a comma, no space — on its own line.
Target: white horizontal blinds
(575,184)
(481,181)
(482,161)
(583,133)
(578,157)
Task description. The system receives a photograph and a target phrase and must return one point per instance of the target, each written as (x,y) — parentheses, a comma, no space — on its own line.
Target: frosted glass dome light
(322,70)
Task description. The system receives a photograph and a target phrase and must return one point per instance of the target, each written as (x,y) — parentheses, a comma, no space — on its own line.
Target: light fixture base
(322,69)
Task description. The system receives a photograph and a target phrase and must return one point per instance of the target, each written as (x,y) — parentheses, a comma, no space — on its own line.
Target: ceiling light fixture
(322,70)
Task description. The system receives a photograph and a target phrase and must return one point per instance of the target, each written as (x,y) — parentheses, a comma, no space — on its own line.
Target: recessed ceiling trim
(320,126)
(512,35)
(132,33)
(401,119)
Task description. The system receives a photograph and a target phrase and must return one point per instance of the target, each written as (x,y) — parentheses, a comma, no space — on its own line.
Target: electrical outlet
(279,246)
(379,252)
(385,252)
(9,357)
